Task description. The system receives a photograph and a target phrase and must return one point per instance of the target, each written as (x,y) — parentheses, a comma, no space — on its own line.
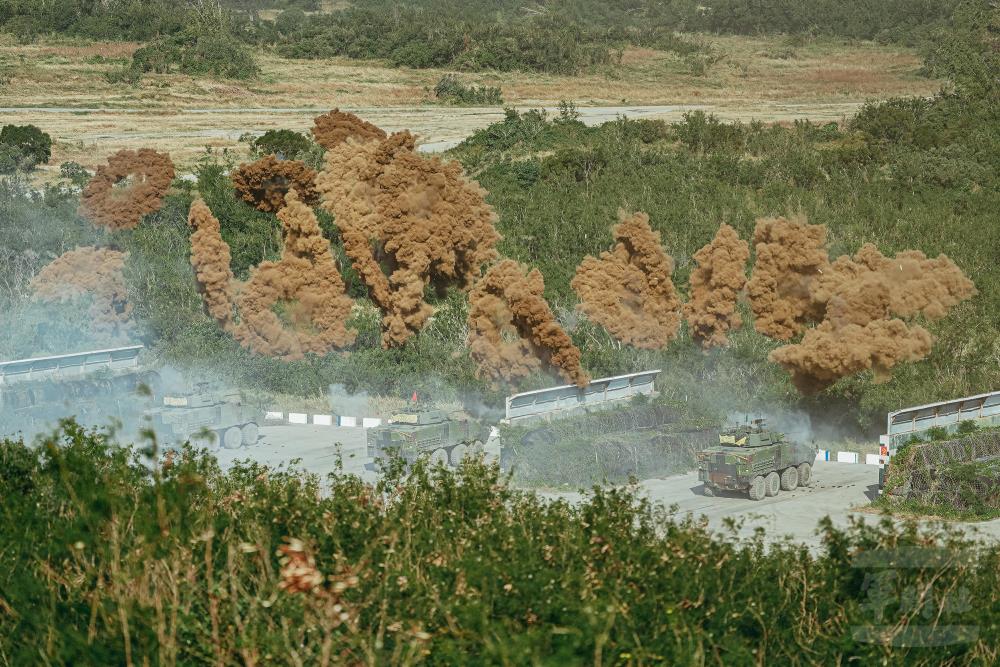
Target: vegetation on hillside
(106,558)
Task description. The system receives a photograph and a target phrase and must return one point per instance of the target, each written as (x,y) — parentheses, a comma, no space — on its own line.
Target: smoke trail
(97,272)
(210,258)
(122,208)
(628,290)
(860,296)
(337,126)
(417,216)
(790,254)
(263,184)
(715,285)
(512,329)
(307,282)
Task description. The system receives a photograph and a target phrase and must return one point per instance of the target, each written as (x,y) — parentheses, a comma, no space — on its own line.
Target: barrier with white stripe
(322,420)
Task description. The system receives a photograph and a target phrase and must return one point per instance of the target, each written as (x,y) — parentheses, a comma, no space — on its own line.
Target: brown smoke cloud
(628,290)
(512,330)
(418,217)
(335,127)
(790,254)
(210,258)
(97,272)
(305,283)
(863,298)
(263,184)
(123,207)
(716,282)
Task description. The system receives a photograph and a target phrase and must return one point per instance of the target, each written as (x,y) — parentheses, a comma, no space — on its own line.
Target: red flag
(414,399)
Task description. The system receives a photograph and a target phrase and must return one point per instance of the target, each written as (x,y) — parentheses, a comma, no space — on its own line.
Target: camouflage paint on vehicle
(425,431)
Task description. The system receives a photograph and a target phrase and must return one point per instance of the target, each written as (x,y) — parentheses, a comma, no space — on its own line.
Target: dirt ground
(60,86)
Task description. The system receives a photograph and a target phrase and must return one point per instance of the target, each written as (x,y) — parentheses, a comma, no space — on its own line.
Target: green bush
(23,147)
(197,54)
(451,89)
(114,558)
(285,144)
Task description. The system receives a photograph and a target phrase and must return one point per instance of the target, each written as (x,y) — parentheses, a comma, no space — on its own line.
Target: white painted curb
(322,420)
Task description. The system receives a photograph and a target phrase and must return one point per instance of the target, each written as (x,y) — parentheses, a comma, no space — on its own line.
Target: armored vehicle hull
(762,463)
(206,414)
(430,432)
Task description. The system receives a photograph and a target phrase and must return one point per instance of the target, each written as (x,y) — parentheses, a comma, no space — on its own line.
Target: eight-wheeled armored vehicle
(422,430)
(205,411)
(757,460)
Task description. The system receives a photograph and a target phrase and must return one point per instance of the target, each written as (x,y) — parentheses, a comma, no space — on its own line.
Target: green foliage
(23,147)
(113,558)
(285,144)
(451,89)
(197,54)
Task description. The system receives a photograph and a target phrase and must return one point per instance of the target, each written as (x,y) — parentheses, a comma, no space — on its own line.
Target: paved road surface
(838,490)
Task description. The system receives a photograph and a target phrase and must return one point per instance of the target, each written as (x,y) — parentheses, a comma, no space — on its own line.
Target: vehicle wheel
(232,438)
(773,484)
(805,474)
(757,488)
(706,490)
(439,456)
(789,478)
(458,453)
(249,434)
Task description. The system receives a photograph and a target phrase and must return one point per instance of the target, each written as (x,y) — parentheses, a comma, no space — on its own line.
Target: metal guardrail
(69,365)
(984,409)
(568,399)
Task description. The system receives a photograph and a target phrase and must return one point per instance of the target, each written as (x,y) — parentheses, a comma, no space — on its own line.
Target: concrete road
(838,490)
(316,449)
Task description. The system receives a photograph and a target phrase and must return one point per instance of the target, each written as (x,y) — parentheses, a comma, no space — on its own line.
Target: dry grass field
(60,85)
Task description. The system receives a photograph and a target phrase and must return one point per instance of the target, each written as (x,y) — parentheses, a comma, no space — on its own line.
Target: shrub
(285,144)
(451,89)
(195,54)
(25,147)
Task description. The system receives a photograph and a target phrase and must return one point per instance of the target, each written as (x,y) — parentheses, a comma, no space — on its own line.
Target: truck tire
(707,490)
(789,478)
(805,474)
(439,455)
(250,434)
(757,488)
(773,484)
(231,438)
(458,454)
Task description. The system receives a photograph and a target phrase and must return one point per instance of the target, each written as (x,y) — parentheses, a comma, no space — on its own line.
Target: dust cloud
(716,283)
(629,290)
(863,298)
(210,257)
(419,217)
(335,127)
(790,254)
(305,283)
(512,330)
(94,272)
(124,207)
(263,184)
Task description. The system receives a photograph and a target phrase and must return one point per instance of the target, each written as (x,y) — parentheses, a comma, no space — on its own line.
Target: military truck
(422,430)
(757,460)
(205,411)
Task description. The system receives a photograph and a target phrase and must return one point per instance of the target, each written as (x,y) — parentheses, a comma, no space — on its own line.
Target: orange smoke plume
(715,286)
(512,329)
(335,127)
(122,208)
(628,290)
(860,296)
(263,184)
(306,279)
(790,254)
(210,258)
(97,272)
(418,216)
(305,282)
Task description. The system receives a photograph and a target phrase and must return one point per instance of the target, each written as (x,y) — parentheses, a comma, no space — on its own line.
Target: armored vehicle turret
(204,410)
(755,459)
(423,430)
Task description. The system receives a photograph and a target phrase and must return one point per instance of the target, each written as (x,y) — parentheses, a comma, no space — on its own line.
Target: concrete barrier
(298,418)
(847,457)
(323,420)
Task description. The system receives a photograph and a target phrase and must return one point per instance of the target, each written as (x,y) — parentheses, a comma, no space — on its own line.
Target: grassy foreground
(107,559)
